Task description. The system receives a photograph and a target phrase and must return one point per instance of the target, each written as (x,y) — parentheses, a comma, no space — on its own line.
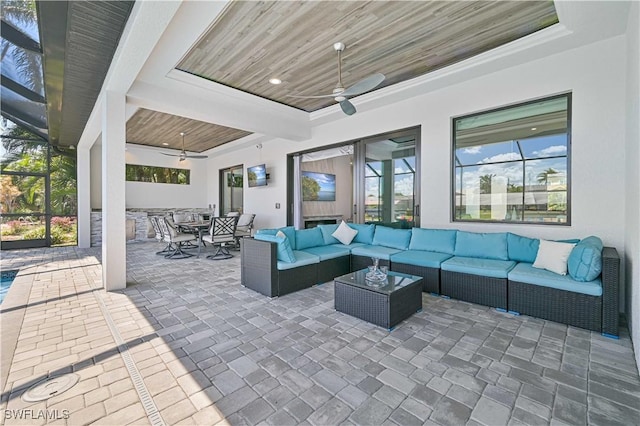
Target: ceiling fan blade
(311,97)
(347,107)
(364,85)
(197,156)
(170,155)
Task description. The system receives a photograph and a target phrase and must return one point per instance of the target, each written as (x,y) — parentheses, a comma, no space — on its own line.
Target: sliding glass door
(386,185)
(231,190)
(380,175)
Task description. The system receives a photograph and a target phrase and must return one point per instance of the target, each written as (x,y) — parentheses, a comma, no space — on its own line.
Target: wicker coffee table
(386,304)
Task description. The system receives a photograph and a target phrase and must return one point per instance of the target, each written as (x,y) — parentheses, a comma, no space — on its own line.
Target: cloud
(472,150)
(552,150)
(508,156)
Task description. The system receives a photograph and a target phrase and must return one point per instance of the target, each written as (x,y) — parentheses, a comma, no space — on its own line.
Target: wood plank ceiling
(252,42)
(154,128)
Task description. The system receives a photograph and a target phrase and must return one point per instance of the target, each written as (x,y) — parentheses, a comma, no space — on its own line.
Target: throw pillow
(345,234)
(585,261)
(553,256)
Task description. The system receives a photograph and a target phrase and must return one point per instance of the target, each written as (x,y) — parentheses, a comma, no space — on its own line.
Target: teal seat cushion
(284,251)
(381,252)
(306,238)
(290,232)
(522,249)
(327,230)
(329,252)
(350,246)
(439,240)
(482,245)
(486,267)
(390,237)
(428,259)
(302,259)
(585,260)
(526,273)
(365,232)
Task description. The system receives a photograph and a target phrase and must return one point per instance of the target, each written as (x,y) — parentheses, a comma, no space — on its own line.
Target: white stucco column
(83,161)
(114,247)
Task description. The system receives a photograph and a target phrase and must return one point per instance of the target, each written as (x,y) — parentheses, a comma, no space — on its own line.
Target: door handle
(416,210)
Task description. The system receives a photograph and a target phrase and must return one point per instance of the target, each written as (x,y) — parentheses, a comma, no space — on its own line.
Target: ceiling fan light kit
(342,95)
(183,154)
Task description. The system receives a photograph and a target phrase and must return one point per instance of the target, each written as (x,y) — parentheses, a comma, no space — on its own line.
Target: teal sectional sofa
(492,269)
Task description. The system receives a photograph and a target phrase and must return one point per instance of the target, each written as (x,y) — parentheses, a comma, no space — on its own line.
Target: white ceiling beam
(223,106)
(146,24)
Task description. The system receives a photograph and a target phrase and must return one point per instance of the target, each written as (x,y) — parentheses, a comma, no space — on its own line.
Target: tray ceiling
(252,42)
(154,128)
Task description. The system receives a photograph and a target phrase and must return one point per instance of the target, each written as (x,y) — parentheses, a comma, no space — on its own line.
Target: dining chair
(221,235)
(179,218)
(182,217)
(243,227)
(177,240)
(159,234)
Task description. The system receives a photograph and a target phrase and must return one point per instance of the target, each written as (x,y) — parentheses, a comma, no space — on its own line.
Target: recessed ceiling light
(534,128)
(275,81)
(165,144)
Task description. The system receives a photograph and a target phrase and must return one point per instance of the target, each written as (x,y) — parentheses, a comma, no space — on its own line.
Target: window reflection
(511,165)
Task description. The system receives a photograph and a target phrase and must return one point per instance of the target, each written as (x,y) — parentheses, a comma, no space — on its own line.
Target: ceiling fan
(342,95)
(183,154)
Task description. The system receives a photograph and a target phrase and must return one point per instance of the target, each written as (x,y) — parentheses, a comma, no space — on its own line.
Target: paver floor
(185,343)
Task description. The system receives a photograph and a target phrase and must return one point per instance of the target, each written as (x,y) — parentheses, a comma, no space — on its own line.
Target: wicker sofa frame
(475,288)
(361,262)
(258,271)
(597,313)
(430,276)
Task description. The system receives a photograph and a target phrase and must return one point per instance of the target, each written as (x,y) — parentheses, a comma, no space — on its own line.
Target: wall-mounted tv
(257,175)
(318,186)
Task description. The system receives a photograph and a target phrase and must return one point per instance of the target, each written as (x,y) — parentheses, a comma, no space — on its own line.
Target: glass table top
(394,281)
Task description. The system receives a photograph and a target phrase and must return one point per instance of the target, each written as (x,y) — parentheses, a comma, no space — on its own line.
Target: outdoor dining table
(199,227)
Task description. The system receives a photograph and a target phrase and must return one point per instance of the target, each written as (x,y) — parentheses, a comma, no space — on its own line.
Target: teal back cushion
(290,232)
(267,231)
(327,230)
(482,245)
(438,240)
(585,260)
(306,238)
(522,249)
(285,253)
(390,237)
(365,233)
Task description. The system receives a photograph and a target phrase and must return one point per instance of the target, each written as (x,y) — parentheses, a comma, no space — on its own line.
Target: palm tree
(485,183)
(543,177)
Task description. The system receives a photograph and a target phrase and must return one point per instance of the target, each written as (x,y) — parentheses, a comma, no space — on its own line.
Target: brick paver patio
(185,343)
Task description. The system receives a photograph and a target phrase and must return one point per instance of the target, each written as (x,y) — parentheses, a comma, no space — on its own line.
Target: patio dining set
(183,232)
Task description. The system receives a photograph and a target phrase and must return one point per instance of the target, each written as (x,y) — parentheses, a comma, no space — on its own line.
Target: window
(137,173)
(512,164)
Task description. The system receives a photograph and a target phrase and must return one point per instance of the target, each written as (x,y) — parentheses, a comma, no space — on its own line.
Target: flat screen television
(257,175)
(318,186)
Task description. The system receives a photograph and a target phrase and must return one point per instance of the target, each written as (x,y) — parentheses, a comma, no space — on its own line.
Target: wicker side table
(385,305)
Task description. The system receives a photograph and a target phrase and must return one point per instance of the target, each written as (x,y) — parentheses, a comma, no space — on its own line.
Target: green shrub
(13,227)
(35,234)
(58,235)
